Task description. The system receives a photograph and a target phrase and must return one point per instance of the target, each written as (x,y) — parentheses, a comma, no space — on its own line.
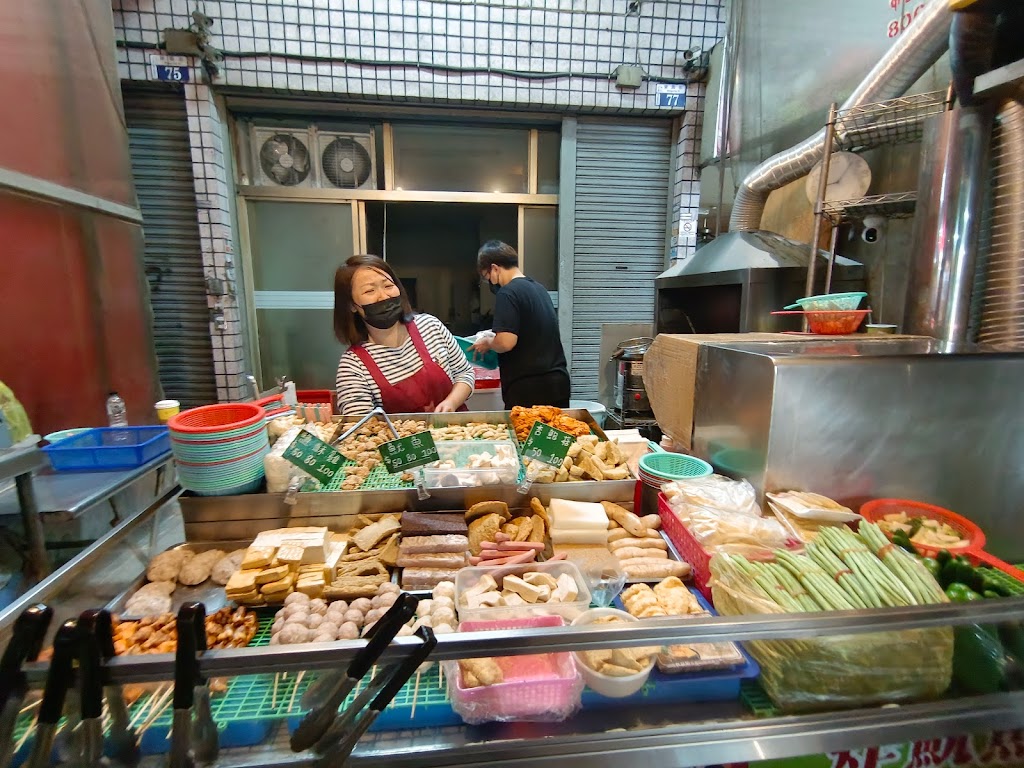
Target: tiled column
(686,181)
(215,237)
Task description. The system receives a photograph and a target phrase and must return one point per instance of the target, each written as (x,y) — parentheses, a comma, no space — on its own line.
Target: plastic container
(610,686)
(488,360)
(109,448)
(207,420)
(832,323)
(876,510)
(688,547)
(468,577)
(460,451)
(830,301)
(544,687)
(165,409)
(315,396)
(64,434)
(117,413)
(654,471)
(598,411)
(686,687)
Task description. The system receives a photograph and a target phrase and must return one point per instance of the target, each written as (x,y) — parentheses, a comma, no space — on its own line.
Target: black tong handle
(191,626)
(382,633)
(58,680)
(27,638)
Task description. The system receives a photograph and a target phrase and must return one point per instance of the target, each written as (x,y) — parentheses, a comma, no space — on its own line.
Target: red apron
(421,392)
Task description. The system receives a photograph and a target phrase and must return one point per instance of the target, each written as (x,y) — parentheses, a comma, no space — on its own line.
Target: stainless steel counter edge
(295,658)
(100,548)
(674,745)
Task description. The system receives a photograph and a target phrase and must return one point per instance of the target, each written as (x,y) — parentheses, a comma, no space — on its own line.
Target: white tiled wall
(552,55)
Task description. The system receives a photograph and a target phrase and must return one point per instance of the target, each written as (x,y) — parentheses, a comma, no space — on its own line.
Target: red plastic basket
(314,396)
(687,546)
(876,510)
(221,417)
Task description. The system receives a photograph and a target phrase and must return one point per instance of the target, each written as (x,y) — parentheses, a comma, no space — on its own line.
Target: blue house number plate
(670,95)
(172,69)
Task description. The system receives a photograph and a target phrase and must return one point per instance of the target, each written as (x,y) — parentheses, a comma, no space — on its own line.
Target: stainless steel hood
(752,249)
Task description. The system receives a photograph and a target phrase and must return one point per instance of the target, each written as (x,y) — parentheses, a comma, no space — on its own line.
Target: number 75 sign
(172,69)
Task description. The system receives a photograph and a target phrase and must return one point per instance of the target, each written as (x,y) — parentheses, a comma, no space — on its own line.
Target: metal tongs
(26,642)
(421,483)
(320,719)
(191,741)
(96,632)
(341,738)
(58,680)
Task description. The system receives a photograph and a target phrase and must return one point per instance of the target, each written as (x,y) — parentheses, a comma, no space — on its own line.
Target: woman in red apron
(402,362)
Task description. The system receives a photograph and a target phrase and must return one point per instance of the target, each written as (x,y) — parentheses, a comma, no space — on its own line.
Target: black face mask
(384,314)
(495,287)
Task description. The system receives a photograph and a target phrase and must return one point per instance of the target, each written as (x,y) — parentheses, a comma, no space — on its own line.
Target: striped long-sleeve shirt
(358,393)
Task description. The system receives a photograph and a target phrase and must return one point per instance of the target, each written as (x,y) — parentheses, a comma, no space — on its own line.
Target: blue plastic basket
(109,448)
(719,685)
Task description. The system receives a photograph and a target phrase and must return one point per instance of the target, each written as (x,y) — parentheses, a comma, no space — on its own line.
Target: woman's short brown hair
(348,325)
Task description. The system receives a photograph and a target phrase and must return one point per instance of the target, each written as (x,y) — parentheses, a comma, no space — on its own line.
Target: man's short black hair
(496,252)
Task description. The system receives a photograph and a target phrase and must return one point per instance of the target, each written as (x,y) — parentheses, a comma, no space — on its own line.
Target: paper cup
(165,409)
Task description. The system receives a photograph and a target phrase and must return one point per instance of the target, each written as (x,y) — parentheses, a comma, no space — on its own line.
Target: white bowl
(610,685)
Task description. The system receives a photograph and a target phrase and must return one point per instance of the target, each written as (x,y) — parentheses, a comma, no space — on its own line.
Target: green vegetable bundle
(841,570)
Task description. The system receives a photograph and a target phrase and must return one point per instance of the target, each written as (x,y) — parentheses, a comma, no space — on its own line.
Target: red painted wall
(74,312)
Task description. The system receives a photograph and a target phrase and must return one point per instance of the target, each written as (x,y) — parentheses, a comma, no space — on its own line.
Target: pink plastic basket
(545,687)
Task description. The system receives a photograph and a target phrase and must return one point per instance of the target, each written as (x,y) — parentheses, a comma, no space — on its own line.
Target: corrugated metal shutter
(162,168)
(622,186)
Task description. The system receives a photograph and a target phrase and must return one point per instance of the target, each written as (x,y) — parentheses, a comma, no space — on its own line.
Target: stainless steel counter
(77,508)
(657,736)
(857,419)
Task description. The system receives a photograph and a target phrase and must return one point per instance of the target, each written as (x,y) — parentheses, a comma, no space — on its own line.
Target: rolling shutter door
(162,168)
(622,185)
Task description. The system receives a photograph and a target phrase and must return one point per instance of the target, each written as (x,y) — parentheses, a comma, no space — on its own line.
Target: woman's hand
(444,407)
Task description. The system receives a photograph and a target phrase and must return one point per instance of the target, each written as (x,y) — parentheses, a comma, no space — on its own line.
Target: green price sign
(547,444)
(311,454)
(408,452)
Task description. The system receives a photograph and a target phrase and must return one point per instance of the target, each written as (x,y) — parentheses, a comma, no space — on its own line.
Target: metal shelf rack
(858,129)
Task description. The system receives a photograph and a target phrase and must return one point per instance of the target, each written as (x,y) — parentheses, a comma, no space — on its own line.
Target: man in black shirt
(529,346)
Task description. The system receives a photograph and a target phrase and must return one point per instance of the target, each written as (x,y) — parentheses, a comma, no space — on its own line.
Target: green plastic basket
(674,466)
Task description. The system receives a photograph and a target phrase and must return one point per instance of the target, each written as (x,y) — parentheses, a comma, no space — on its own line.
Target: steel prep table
(659,736)
(75,509)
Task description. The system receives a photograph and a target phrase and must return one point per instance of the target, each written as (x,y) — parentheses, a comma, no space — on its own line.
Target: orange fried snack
(523,420)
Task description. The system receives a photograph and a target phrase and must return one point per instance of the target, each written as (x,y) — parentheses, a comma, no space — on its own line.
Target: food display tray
(673,554)
(209,593)
(660,688)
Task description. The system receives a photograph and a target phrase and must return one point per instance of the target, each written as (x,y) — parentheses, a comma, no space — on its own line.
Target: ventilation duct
(1002,299)
(918,48)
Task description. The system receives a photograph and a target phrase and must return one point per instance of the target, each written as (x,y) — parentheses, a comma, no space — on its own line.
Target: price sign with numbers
(547,444)
(408,452)
(312,455)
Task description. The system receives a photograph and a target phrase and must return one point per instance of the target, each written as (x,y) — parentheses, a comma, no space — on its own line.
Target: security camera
(874,229)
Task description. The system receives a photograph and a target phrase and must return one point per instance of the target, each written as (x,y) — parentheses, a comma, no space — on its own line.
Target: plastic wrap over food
(823,673)
(720,512)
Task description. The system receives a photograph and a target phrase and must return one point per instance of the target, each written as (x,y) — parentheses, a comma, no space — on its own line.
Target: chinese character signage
(314,456)
(408,452)
(547,444)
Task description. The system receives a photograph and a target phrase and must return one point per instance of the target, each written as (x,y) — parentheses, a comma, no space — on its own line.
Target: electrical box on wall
(628,76)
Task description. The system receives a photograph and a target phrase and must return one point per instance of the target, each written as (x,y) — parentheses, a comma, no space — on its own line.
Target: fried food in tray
(226,628)
(523,420)
(180,567)
(362,447)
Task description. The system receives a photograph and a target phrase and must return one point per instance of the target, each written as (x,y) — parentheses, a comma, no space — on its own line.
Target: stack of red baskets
(220,448)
